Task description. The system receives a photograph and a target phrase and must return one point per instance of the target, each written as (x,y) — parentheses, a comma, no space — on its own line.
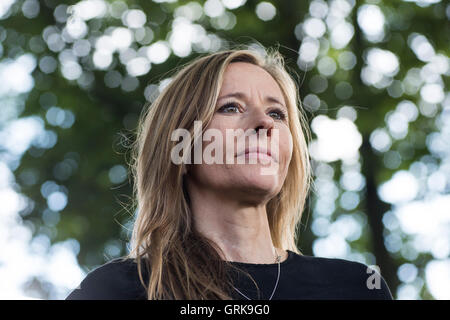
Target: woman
(221,229)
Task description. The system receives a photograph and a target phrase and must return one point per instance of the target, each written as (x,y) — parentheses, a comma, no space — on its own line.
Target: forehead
(249,78)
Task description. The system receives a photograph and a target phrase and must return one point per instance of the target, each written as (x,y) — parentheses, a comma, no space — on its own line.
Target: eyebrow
(242,96)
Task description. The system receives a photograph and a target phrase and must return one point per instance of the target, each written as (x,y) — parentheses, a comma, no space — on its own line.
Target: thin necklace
(277,259)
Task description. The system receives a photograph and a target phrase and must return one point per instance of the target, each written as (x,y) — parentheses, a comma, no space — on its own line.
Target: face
(250,102)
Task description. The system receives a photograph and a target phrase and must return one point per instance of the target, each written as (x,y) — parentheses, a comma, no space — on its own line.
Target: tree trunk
(374,206)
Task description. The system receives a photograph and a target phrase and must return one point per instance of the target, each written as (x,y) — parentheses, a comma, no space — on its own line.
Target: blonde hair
(184,264)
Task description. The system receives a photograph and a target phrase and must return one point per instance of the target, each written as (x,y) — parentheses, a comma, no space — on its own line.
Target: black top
(301,277)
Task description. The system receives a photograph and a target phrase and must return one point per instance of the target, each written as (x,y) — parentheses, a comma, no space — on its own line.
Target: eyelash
(282,114)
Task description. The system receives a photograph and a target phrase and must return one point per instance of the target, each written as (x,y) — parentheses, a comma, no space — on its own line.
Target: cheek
(221,126)
(210,175)
(286,146)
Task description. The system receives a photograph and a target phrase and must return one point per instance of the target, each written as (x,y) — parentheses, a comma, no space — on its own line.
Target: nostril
(267,130)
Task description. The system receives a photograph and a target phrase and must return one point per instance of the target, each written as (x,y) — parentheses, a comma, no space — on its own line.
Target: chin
(253,179)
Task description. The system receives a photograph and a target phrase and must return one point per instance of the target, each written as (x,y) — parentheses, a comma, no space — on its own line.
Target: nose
(262,121)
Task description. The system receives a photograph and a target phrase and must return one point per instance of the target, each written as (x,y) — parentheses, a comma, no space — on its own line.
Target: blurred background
(373,77)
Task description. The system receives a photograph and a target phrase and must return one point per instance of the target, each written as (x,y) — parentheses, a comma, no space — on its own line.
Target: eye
(279,114)
(229,106)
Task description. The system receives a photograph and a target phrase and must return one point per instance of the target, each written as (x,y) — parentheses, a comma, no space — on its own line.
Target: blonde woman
(225,229)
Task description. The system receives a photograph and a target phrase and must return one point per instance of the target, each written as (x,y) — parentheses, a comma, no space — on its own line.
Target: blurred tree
(95,64)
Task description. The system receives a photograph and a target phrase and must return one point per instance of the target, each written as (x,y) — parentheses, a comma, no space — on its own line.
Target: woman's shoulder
(349,274)
(330,263)
(116,279)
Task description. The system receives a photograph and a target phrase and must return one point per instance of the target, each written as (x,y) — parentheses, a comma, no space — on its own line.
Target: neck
(240,230)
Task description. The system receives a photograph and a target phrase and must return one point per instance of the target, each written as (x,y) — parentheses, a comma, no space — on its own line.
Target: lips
(261,150)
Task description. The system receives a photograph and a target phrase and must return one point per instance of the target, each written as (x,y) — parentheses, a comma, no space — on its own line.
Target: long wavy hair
(181,263)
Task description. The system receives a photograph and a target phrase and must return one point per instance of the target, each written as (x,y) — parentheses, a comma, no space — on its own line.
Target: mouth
(260,153)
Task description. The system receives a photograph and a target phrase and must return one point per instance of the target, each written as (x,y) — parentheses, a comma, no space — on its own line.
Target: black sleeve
(115,280)
(375,287)
(351,280)
(383,291)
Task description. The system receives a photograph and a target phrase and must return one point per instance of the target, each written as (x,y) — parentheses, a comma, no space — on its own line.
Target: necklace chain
(277,260)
